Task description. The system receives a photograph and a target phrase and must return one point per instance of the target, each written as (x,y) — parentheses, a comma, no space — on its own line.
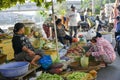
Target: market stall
(58,63)
(72,61)
(6,46)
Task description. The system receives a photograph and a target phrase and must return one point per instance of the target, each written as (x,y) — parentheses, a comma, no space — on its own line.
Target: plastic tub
(14,69)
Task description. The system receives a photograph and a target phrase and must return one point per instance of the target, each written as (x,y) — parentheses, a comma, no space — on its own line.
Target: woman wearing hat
(103,52)
(23,50)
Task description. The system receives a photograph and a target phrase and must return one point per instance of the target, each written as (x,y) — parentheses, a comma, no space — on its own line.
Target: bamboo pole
(55,29)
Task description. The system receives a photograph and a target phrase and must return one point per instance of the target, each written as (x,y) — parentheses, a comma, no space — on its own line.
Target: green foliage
(97,10)
(98,4)
(43,13)
(21,1)
(60,1)
(47,4)
(112,1)
(9,3)
(62,11)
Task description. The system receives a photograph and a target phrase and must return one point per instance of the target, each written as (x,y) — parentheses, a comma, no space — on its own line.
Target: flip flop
(102,65)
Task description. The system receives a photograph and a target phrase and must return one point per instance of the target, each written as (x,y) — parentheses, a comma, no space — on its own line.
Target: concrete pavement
(112,72)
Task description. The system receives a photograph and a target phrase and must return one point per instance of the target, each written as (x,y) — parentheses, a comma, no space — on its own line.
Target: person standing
(46,26)
(116,11)
(74,18)
(86,14)
(117,35)
(111,21)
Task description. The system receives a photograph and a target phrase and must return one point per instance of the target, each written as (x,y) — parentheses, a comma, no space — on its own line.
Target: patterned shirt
(105,48)
(19,41)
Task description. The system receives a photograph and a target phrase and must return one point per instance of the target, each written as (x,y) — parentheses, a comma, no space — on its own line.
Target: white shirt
(74,18)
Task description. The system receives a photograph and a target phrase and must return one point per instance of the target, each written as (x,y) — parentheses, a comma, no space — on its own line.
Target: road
(112,71)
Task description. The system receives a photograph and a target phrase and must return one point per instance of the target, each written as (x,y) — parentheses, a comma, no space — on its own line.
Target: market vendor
(102,50)
(48,27)
(23,50)
(61,34)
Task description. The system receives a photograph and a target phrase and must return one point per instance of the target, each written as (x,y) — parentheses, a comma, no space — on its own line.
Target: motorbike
(103,25)
(87,24)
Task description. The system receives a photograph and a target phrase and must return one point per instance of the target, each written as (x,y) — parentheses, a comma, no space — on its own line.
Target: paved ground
(112,72)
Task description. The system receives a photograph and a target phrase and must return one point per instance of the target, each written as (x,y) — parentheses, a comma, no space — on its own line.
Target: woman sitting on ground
(61,34)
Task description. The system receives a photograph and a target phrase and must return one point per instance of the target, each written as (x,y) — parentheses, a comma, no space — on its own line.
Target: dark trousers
(62,39)
(118,47)
(73,28)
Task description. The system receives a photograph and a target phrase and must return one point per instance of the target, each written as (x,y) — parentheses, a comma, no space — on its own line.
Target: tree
(112,1)
(9,3)
(98,4)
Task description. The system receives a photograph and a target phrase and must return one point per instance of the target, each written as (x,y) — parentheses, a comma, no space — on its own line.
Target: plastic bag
(84,61)
(45,61)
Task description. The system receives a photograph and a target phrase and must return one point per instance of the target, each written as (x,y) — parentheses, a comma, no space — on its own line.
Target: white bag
(90,34)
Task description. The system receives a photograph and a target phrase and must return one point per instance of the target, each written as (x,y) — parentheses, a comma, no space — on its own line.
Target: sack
(45,61)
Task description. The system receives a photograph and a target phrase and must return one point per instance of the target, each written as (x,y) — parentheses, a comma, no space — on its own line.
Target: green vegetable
(77,76)
(47,76)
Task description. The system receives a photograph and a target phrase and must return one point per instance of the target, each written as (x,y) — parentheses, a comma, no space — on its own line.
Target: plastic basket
(14,69)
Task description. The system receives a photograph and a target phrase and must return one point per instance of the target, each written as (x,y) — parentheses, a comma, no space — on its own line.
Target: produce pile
(56,68)
(71,76)
(51,45)
(75,50)
(82,75)
(77,76)
(47,76)
(5,36)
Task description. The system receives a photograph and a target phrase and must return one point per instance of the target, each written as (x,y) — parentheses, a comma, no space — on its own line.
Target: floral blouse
(104,48)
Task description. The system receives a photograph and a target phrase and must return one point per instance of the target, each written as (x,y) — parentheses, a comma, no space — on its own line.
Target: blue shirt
(118,27)
(118,31)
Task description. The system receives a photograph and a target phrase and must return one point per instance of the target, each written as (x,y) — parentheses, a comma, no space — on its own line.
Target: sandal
(103,65)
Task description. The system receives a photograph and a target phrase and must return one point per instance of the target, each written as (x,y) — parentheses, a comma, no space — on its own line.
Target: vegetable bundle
(47,76)
(77,76)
